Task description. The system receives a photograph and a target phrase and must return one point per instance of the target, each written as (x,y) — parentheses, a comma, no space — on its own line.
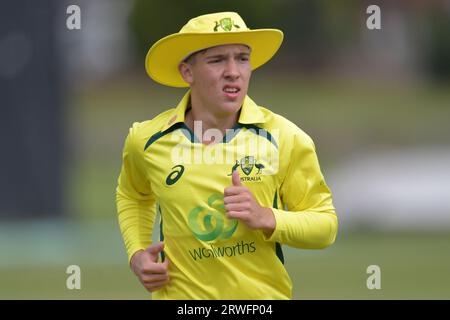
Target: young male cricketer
(222,222)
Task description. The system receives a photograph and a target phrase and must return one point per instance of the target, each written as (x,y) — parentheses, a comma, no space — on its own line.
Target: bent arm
(135,200)
(310,221)
(303,229)
(136,220)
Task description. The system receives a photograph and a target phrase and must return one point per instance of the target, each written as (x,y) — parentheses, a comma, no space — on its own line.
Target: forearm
(136,219)
(304,229)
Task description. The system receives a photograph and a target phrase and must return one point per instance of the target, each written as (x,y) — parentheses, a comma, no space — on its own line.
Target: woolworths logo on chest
(210,223)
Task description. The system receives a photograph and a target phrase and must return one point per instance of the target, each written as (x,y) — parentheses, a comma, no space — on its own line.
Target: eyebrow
(216,56)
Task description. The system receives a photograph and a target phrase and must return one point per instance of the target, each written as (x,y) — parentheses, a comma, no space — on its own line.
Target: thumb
(166,262)
(236,179)
(156,248)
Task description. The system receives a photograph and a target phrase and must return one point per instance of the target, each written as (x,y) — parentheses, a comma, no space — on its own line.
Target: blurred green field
(413,265)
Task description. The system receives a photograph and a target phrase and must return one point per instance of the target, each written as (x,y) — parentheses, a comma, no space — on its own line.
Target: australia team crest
(249,164)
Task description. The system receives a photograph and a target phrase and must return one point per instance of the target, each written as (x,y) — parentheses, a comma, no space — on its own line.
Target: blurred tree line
(437,51)
(311,28)
(314,29)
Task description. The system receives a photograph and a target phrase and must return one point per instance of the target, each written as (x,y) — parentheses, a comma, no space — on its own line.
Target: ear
(185,70)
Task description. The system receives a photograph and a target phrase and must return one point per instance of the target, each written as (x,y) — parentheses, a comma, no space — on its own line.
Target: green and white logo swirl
(208,225)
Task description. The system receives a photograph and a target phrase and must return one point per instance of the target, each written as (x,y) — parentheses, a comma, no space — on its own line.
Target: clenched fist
(151,273)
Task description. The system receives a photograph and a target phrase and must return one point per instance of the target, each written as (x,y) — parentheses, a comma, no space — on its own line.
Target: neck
(209,120)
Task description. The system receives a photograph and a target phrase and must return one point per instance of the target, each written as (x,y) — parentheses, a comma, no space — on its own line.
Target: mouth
(231,91)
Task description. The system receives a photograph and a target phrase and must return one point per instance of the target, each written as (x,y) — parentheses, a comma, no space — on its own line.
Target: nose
(231,70)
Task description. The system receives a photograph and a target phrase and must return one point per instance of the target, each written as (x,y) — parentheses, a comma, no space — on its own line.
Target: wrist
(269,222)
(133,259)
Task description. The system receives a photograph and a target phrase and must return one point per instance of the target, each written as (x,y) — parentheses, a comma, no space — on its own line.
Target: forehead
(228,48)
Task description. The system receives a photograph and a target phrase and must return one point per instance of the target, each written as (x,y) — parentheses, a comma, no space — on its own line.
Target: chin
(232,106)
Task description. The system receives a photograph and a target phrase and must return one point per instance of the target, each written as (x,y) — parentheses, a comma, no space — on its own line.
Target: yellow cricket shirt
(166,169)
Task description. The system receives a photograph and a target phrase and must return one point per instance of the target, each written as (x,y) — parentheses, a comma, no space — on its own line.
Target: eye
(244,58)
(214,61)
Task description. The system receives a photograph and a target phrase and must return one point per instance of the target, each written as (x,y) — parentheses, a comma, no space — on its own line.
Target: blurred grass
(413,266)
(107,282)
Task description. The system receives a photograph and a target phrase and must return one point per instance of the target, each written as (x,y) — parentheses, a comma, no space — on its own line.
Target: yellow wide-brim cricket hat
(163,58)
